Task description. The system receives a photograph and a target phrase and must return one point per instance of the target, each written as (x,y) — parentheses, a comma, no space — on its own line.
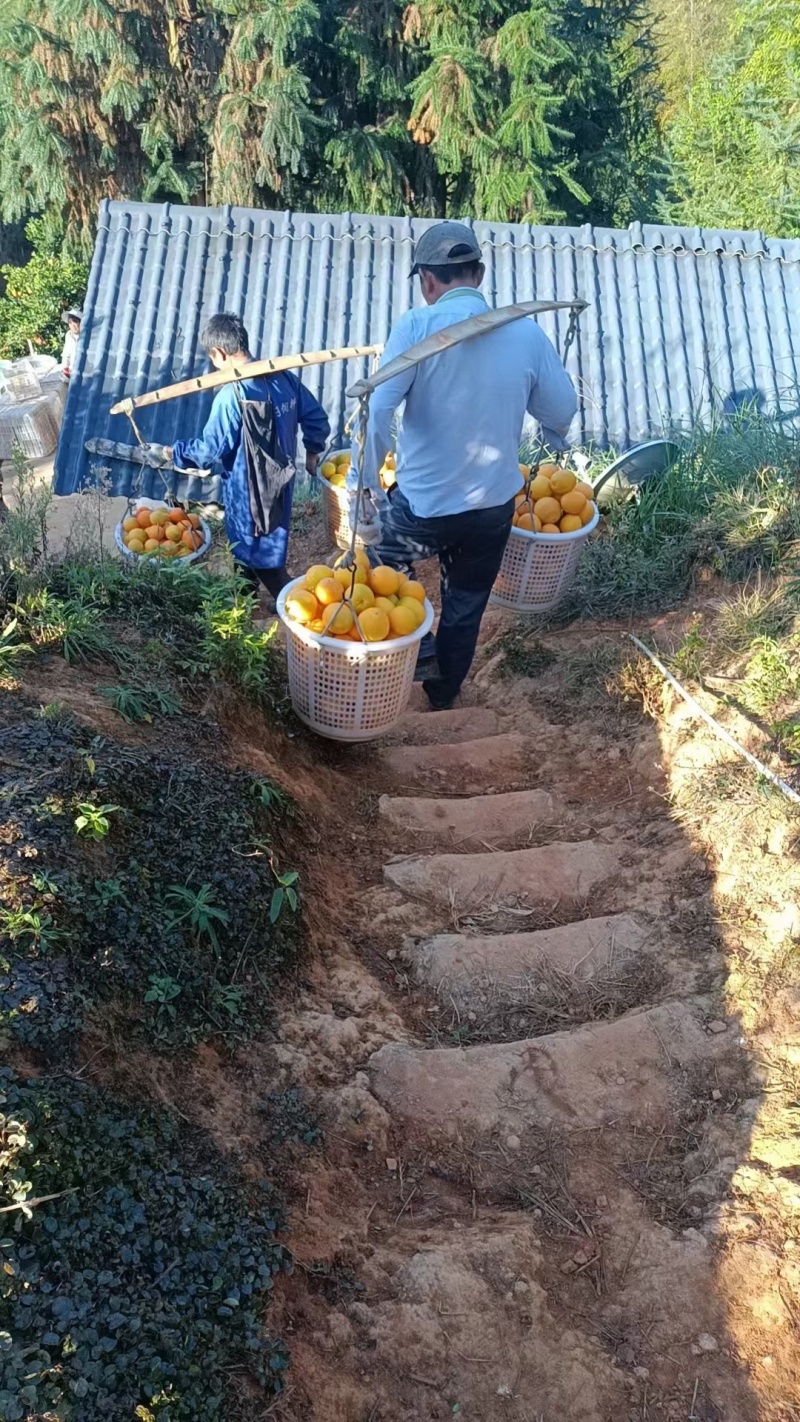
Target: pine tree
(98,100)
(505,109)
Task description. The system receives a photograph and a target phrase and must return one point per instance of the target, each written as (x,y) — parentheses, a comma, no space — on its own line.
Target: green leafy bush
(164,914)
(35,296)
(139,1289)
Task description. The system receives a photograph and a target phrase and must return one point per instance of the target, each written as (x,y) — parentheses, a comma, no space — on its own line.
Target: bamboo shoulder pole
(217,378)
(440,341)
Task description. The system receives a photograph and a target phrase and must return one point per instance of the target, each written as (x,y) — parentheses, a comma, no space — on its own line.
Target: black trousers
(470,549)
(273,579)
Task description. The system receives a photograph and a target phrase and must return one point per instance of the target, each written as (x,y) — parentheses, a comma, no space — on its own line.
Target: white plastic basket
(349,691)
(133,558)
(539,568)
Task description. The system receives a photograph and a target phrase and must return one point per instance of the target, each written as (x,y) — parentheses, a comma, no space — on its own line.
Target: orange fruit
(540,487)
(175,516)
(154,531)
(570,523)
(150,544)
(191,540)
(328,590)
(548,470)
(144,518)
(315,574)
(337,619)
(160,517)
(403,621)
(374,623)
(585,489)
(409,588)
(316,625)
(384,581)
(172,533)
(588,513)
(524,470)
(562,481)
(129,523)
(519,498)
(548,510)
(385,604)
(525,521)
(301,605)
(415,607)
(362,597)
(573,502)
(550,528)
(343,576)
(136,545)
(537,524)
(194,520)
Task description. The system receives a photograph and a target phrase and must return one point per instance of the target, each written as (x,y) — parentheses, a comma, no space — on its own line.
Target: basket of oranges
(352,638)
(554,514)
(163,532)
(335,498)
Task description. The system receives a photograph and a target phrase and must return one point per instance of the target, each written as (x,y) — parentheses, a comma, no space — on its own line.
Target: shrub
(139,1287)
(159,898)
(36,294)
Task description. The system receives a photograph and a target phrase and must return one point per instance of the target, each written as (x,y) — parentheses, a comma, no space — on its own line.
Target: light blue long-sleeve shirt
(464,411)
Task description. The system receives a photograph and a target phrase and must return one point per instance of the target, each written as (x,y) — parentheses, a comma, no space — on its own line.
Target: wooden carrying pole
(216,378)
(479,325)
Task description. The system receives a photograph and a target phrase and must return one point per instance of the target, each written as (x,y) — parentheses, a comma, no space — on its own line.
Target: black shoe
(439,700)
(426,668)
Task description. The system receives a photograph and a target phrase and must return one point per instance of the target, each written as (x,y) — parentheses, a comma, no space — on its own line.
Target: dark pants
(273,579)
(470,549)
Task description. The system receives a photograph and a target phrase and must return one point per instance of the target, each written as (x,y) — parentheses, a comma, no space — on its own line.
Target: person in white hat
(72,320)
(458,447)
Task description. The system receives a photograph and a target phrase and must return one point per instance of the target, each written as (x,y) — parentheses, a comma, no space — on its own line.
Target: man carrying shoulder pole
(457,453)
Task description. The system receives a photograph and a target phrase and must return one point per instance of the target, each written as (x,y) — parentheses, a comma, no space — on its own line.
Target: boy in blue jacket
(260,559)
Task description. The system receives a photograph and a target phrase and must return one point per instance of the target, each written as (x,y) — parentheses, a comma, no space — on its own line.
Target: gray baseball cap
(446,244)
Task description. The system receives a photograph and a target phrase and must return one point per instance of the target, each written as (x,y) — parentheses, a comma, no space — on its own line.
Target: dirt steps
(470,968)
(462,723)
(585,1078)
(463,767)
(490,820)
(551,874)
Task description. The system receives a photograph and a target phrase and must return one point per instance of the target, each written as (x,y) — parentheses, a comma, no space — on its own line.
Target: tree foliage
(35,296)
(509,109)
(734,140)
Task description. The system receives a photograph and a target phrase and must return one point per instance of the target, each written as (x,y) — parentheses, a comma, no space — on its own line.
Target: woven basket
(348,691)
(539,568)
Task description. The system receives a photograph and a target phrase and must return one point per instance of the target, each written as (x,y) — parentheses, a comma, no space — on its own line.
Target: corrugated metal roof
(681,321)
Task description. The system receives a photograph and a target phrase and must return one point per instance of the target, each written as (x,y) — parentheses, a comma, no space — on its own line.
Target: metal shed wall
(682,322)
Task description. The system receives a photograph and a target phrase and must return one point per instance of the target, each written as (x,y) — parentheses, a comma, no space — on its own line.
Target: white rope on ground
(715,726)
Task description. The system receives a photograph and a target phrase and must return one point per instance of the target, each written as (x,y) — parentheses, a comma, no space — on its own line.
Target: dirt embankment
(550,1010)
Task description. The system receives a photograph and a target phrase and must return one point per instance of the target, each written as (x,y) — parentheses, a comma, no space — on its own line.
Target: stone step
(468,767)
(462,723)
(463,967)
(550,874)
(621,1071)
(483,819)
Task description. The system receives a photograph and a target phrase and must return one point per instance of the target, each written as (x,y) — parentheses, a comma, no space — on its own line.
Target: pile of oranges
(334,470)
(553,501)
(162,533)
(360,604)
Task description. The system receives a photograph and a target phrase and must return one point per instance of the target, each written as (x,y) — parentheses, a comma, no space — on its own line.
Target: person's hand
(366,519)
(312,460)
